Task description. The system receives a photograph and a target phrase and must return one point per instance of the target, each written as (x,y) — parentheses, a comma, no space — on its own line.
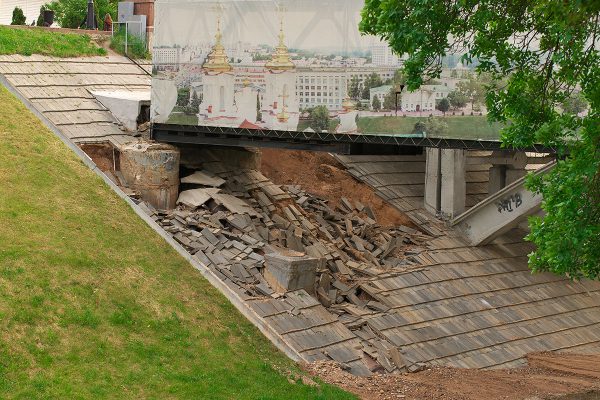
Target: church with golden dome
(280,99)
(274,106)
(218,82)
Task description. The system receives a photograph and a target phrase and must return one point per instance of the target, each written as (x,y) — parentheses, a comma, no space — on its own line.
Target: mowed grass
(459,127)
(94,304)
(28,41)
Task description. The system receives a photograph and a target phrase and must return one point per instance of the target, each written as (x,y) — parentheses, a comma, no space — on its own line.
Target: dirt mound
(320,174)
(101,154)
(547,376)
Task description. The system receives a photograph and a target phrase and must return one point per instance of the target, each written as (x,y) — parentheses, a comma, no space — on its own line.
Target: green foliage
(354,88)
(373,80)
(183,96)
(40,41)
(443,105)
(40,19)
(193,105)
(18,18)
(419,128)
(436,127)
(568,238)
(136,47)
(376,103)
(457,99)
(319,119)
(472,90)
(72,13)
(528,85)
(389,101)
(574,104)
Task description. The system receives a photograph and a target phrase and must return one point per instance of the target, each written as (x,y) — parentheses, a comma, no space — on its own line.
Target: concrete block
(497,178)
(433,183)
(125,106)
(454,187)
(291,271)
(152,170)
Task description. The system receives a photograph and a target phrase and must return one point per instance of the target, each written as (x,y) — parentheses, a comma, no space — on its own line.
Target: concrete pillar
(454,185)
(433,186)
(291,271)
(497,178)
(152,170)
(514,174)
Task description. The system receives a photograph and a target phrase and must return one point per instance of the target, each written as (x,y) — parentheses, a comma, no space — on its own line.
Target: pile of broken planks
(228,219)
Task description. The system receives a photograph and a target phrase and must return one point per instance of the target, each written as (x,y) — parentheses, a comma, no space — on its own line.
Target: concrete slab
(124,105)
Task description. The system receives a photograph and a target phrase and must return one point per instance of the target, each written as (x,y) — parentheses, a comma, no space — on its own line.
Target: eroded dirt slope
(547,376)
(320,174)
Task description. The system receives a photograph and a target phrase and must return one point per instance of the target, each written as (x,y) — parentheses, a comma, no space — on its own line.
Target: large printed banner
(294,65)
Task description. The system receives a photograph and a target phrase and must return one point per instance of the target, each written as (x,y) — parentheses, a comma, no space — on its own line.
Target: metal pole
(91,20)
(126,32)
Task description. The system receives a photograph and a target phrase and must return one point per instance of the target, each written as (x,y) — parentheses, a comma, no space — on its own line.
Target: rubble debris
(196,197)
(265,241)
(203,178)
(290,270)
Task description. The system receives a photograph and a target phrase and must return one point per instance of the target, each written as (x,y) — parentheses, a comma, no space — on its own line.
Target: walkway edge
(240,304)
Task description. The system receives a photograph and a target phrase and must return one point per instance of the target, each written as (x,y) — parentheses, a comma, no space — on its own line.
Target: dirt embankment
(320,174)
(102,155)
(548,376)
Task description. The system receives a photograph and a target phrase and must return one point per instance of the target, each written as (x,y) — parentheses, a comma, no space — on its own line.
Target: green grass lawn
(28,41)
(459,127)
(178,117)
(305,124)
(94,304)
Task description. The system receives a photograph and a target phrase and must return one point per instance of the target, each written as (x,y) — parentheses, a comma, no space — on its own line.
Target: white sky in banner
(308,24)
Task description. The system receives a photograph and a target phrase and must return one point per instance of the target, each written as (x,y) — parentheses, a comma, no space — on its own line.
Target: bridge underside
(339,143)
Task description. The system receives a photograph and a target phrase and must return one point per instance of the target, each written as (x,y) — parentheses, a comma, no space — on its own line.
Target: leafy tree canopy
(389,101)
(541,51)
(319,119)
(457,99)
(72,13)
(376,104)
(443,105)
(18,18)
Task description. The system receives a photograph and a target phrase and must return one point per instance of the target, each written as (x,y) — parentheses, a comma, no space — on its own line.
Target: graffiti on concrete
(510,203)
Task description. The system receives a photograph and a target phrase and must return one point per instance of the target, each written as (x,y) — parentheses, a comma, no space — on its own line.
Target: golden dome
(280,61)
(217,60)
(283,116)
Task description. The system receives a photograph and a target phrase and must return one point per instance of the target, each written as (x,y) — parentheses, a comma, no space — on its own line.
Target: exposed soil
(102,155)
(320,174)
(548,376)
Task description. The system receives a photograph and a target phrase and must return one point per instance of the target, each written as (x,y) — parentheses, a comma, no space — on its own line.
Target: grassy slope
(94,304)
(28,41)
(460,127)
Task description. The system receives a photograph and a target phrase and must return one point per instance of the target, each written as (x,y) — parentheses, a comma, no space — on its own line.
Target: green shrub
(136,47)
(18,18)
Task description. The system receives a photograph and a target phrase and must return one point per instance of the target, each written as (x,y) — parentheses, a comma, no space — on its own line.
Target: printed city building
(327,86)
(424,99)
(380,92)
(382,55)
(166,58)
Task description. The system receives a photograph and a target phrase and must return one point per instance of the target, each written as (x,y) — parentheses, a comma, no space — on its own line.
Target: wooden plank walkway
(60,90)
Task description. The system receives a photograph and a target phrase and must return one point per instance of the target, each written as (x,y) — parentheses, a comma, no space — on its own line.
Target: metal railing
(127,34)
